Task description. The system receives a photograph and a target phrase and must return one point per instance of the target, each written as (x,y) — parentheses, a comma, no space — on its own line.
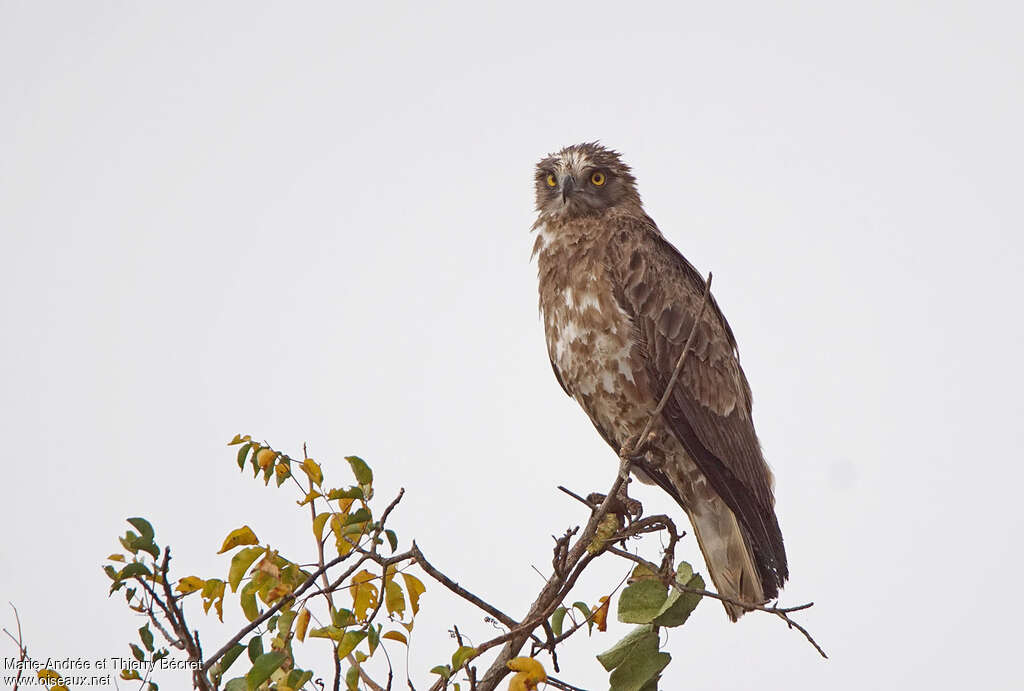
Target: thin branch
(781,612)
(459,590)
(642,439)
(199,678)
(564,686)
(22,648)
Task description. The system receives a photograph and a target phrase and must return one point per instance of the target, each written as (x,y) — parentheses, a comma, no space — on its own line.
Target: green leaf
(136,568)
(111,571)
(147,637)
(242,453)
(237,684)
(373,637)
(332,632)
(350,493)
(128,541)
(584,609)
(297,678)
(144,527)
(240,564)
(364,476)
(343,617)
(137,652)
(358,516)
(263,667)
(392,539)
(248,600)
(284,624)
(228,659)
(255,648)
(352,678)
(461,656)
(635,661)
(349,642)
(149,547)
(614,656)
(557,617)
(639,672)
(642,602)
(680,605)
(444,670)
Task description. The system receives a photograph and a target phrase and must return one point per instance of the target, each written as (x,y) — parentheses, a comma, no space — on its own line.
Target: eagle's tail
(729,552)
(729,557)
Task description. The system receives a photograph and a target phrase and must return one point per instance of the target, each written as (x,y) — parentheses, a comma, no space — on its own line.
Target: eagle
(618,303)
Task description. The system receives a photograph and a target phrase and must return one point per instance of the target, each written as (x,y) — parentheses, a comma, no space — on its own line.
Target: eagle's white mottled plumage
(617,303)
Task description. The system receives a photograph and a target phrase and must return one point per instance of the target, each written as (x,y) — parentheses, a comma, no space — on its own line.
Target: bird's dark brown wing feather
(710,407)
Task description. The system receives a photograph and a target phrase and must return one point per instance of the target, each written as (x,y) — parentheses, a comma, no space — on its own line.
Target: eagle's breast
(589,336)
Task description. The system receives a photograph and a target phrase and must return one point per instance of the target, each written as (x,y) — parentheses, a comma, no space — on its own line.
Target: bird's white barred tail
(729,558)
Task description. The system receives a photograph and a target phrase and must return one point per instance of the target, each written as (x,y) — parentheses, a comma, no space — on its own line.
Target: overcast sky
(309,222)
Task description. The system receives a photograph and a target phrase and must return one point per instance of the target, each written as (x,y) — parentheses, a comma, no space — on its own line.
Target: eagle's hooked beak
(568,187)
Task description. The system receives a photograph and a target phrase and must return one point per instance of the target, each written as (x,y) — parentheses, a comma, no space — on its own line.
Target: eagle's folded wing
(710,407)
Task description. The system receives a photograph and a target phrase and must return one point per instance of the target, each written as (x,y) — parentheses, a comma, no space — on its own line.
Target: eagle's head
(582,180)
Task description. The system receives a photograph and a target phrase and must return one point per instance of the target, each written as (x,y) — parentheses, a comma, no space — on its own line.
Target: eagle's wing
(710,407)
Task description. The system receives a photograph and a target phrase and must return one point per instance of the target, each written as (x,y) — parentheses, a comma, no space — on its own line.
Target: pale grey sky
(309,222)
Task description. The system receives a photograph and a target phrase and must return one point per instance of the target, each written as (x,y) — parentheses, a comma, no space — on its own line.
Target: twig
(781,612)
(22,648)
(565,686)
(577,497)
(642,439)
(180,626)
(459,590)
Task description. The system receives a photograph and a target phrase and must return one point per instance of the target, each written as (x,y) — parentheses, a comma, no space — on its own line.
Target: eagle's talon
(622,504)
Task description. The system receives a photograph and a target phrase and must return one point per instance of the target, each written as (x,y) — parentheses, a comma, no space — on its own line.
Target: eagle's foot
(635,446)
(621,504)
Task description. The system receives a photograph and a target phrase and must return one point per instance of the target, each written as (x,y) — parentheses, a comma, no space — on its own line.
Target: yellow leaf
(396,636)
(265,458)
(190,584)
(116,557)
(266,565)
(301,624)
(415,588)
(278,591)
(394,598)
(238,537)
(238,439)
(213,594)
(318,525)
(530,674)
(312,469)
(282,470)
(47,674)
(310,496)
(601,614)
(364,594)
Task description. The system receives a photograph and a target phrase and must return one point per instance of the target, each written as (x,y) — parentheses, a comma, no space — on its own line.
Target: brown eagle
(618,302)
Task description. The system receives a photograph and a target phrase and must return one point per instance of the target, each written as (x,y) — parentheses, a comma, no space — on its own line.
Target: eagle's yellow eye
(597,178)
(551,181)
